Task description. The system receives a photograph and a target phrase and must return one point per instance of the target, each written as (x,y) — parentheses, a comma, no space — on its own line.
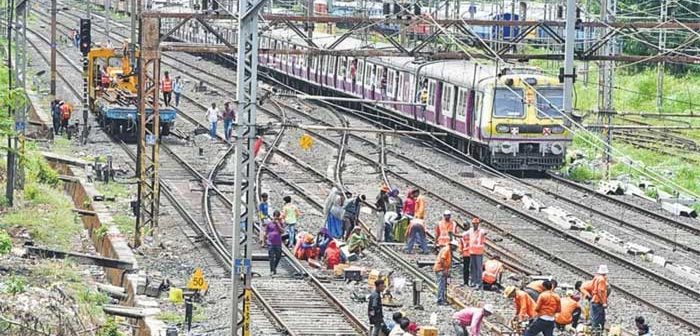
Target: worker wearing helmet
(471,317)
(599,298)
(524,304)
(446,230)
(443,262)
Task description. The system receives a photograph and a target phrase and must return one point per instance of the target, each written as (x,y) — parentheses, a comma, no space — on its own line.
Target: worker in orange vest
(464,248)
(570,312)
(536,287)
(420,205)
(442,266)
(599,298)
(548,305)
(493,270)
(446,230)
(66,112)
(477,238)
(167,87)
(524,304)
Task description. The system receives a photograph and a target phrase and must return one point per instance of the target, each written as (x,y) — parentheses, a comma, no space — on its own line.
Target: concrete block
(611,242)
(506,193)
(637,249)
(588,235)
(644,184)
(561,221)
(554,211)
(661,261)
(488,184)
(467,171)
(518,194)
(530,203)
(679,209)
(610,188)
(575,222)
(684,271)
(663,195)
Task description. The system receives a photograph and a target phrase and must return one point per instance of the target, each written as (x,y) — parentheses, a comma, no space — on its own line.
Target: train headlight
(506,147)
(556,148)
(557,129)
(502,128)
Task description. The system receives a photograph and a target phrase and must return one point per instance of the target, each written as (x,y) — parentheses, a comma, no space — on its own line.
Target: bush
(582,173)
(110,328)
(15,285)
(5,243)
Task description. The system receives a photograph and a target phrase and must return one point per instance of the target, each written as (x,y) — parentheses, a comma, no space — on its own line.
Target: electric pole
(569,75)
(10,185)
(660,67)
(133,14)
(108,9)
(244,214)
(52,87)
(605,80)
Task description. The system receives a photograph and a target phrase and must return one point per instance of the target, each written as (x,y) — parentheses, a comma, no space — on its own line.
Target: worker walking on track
(599,298)
(229,120)
(570,312)
(524,305)
(471,317)
(446,230)
(442,266)
(66,112)
(178,85)
(351,212)
(56,115)
(273,238)
(381,203)
(477,237)
(291,215)
(548,305)
(333,209)
(374,310)
(212,118)
(493,270)
(167,86)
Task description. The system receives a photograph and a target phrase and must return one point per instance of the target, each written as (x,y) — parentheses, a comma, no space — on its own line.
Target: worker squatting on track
(538,309)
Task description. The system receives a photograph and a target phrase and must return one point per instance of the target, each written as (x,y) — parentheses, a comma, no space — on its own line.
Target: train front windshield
(550,102)
(509,103)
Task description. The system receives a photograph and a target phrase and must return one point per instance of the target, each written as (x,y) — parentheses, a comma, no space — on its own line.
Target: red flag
(257,146)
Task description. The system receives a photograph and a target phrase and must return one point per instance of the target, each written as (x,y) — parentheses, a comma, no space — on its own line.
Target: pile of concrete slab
(678,205)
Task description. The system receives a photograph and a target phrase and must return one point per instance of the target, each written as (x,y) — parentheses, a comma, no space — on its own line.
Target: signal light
(85,36)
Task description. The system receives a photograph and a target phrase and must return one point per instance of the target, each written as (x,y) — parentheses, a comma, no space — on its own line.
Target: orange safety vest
(524,305)
(420,208)
(566,316)
(537,285)
(167,85)
(65,111)
(442,231)
(444,260)
(587,289)
(476,241)
(464,244)
(492,270)
(600,284)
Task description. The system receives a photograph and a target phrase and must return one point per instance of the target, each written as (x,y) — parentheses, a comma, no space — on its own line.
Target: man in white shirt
(212,118)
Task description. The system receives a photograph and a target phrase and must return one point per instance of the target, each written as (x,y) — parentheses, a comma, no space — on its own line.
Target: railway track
(397,177)
(303,292)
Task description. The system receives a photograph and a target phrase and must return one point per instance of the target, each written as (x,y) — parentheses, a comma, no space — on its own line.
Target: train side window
(462,104)
(410,88)
(313,62)
(431,95)
(477,105)
(360,70)
(447,100)
(390,75)
(368,74)
(400,89)
(331,65)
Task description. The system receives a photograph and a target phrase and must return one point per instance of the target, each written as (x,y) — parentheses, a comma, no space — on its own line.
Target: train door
(447,104)
(459,120)
(432,100)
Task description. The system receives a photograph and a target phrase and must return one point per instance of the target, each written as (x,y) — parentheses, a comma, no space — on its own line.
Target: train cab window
(360,70)
(508,103)
(399,91)
(462,103)
(390,85)
(431,95)
(447,100)
(550,103)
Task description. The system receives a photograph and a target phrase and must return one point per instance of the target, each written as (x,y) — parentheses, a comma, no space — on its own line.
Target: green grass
(62,146)
(46,214)
(116,190)
(124,223)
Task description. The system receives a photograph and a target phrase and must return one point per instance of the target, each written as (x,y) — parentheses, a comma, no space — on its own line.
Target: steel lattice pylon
(245,164)
(148,139)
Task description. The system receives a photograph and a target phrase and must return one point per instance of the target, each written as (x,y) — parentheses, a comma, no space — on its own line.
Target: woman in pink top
(471,317)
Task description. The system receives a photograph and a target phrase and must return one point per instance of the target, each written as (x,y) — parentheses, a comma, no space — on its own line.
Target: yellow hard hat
(508,291)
